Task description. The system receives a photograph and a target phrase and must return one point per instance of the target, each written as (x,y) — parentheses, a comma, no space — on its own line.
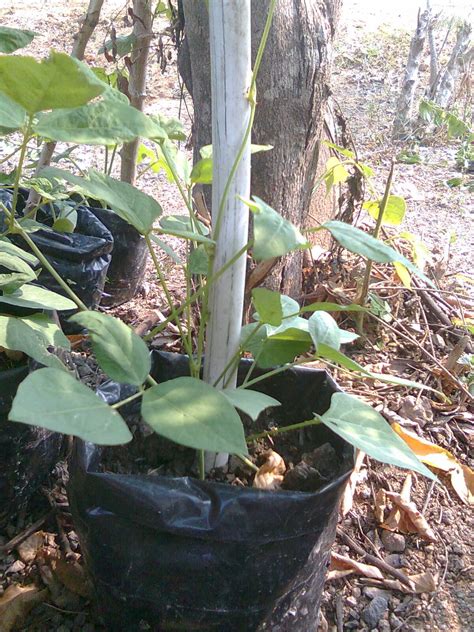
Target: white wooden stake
(229,26)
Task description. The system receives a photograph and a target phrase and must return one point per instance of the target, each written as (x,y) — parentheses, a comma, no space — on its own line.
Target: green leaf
(166,248)
(323,329)
(173,127)
(180,226)
(363,427)
(47,329)
(329,353)
(120,46)
(394,211)
(361,243)
(268,306)
(56,82)
(13,39)
(9,248)
(202,171)
(274,236)
(119,351)
(20,272)
(194,414)
(409,157)
(198,261)
(12,115)
(16,334)
(103,123)
(36,297)
(252,403)
(340,150)
(335,173)
(332,307)
(272,346)
(56,401)
(135,207)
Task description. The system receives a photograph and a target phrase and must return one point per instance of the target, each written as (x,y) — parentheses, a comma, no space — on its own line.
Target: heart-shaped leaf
(192,413)
(366,429)
(56,401)
(119,351)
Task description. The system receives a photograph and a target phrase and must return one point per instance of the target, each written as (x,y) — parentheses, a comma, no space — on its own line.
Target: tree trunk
(292,91)
(142,29)
(404,116)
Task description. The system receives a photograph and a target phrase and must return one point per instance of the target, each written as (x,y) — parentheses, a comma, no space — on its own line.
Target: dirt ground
(370,55)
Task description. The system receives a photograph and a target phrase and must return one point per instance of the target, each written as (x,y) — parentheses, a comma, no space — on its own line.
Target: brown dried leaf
(343,563)
(270,474)
(29,548)
(462,477)
(421,583)
(16,602)
(411,520)
(348,496)
(73,576)
(380,504)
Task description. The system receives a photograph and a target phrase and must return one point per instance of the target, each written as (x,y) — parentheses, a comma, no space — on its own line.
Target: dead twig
(375,561)
(18,539)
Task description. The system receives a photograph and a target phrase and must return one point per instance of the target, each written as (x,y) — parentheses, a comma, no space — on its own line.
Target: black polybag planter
(185,554)
(81,258)
(27,453)
(129,258)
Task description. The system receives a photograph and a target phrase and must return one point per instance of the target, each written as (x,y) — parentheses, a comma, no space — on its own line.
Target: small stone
(16,567)
(356,592)
(352,625)
(393,542)
(371,592)
(384,626)
(394,559)
(374,611)
(351,601)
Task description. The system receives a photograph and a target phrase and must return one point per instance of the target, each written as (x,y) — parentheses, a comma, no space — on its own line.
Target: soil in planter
(307,468)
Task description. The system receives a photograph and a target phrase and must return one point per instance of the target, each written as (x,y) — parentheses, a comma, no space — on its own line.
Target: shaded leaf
(323,329)
(36,297)
(120,352)
(13,39)
(194,414)
(268,306)
(252,403)
(56,401)
(198,260)
(180,226)
(12,115)
(19,272)
(274,236)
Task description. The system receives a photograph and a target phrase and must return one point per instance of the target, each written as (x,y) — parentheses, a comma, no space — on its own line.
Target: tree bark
(442,92)
(403,117)
(142,29)
(292,90)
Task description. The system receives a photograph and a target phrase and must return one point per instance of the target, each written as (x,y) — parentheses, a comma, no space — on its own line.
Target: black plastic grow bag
(81,258)
(27,453)
(129,258)
(184,554)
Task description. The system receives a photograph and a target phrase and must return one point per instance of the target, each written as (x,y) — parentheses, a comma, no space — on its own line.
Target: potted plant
(191,552)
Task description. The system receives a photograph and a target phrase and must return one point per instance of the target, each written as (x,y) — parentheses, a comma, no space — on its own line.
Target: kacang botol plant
(55,99)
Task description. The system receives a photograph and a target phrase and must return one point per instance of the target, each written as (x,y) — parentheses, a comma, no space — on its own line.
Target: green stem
(169,298)
(276,371)
(276,431)
(106,160)
(201,464)
(19,169)
(112,158)
(127,400)
(247,462)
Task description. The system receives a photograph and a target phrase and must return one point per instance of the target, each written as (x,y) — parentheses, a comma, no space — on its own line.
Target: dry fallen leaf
(348,496)
(462,477)
(270,474)
(405,516)
(421,583)
(16,602)
(346,565)
(29,548)
(380,504)
(73,576)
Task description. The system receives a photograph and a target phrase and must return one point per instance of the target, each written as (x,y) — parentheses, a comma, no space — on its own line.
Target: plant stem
(276,371)
(247,462)
(368,268)
(201,464)
(192,299)
(169,298)
(127,400)
(276,431)
(16,184)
